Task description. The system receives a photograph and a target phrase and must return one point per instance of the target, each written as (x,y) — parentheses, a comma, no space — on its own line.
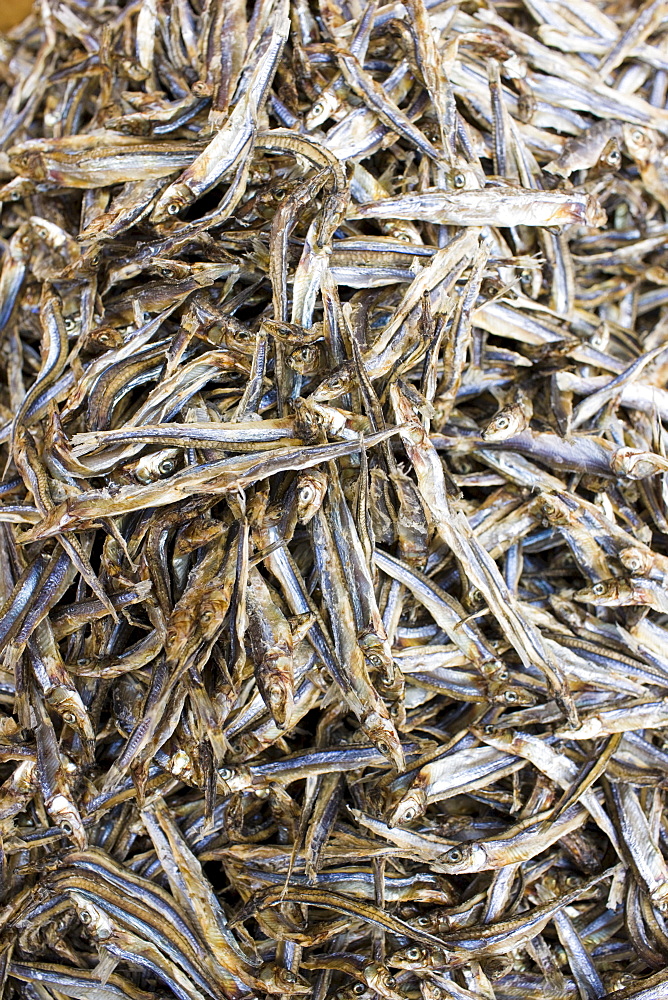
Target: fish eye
(423,922)
(391,982)
(413,954)
(166,466)
(382,747)
(375,660)
(409,814)
(173,208)
(166,272)
(69,324)
(318,108)
(85,917)
(206,617)
(614,157)
(458,179)
(404,237)
(510,697)
(67,828)
(455,855)
(637,135)
(289,977)
(359,989)
(69,717)
(226,773)
(502,422)
(598,589)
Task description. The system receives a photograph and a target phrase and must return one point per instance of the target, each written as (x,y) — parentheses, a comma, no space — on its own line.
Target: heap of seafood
(334,500)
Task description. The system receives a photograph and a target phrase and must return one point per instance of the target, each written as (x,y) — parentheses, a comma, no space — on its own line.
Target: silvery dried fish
(334,509)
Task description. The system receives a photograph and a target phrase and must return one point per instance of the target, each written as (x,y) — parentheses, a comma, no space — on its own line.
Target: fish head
(430,991)
(636,560)
(277,979)
(195,623)
(28,162)
(171,202)
(70,707)
(305,359)
(358,991)
(66,816)
(235,779)
(508,422)
(505,694)
(611,154)
(604,593)
(380,979)
(410,807)
(159,465)
(91,916)
(464,858)
(311,490)
(635,464)
(245,746)
(417,957)
(376,652)
(384,737)
(172,270)
(275,679)
(404,232)
(324,106)
(433,921)
(334,385)
(22,243)
(554,510)
(641,143)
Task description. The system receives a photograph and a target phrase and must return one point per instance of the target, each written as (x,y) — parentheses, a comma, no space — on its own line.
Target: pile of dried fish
(334,500)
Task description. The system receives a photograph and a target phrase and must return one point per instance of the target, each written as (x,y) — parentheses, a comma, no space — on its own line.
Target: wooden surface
(13,11)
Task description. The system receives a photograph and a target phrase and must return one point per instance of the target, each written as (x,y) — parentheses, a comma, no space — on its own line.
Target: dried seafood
(333,515)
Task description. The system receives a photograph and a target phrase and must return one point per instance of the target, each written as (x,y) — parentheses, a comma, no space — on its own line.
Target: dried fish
(334,511)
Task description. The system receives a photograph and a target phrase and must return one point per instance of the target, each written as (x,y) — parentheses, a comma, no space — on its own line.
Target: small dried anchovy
(334,501)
